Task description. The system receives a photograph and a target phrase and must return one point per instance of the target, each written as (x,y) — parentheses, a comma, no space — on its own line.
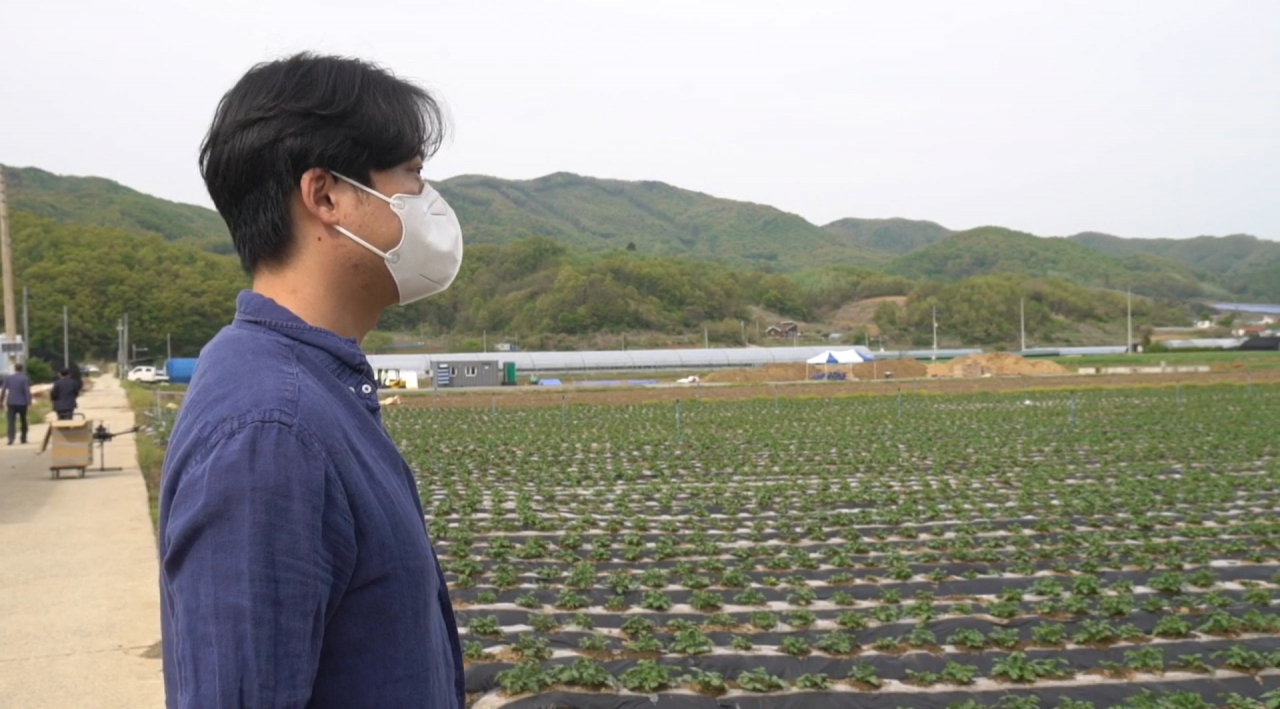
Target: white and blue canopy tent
(849,357)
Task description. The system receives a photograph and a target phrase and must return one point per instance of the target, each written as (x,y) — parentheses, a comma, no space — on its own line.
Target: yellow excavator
(391,379)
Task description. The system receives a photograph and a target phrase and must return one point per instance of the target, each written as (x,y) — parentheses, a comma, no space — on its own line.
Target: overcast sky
(1148,119)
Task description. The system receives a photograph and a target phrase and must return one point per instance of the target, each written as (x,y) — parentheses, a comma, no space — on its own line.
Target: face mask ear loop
(357,185)
(342,230)
(381,254)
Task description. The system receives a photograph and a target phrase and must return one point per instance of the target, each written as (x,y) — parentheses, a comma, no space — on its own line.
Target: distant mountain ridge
(996,250)
(595,214)
(598,215)
(1227,255)
(890,236)
(101,202)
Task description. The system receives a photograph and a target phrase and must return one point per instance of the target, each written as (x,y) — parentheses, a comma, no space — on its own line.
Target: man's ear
(317,190)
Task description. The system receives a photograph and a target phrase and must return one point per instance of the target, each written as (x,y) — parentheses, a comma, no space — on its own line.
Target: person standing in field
(295,565)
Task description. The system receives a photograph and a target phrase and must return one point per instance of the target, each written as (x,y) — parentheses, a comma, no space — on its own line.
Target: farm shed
(469,373)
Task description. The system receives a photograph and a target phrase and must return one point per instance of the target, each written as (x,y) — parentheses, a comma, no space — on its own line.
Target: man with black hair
(16,393)
(64,393)
(295,565)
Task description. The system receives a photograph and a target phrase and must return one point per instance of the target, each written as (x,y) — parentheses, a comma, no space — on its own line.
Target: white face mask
(429,254)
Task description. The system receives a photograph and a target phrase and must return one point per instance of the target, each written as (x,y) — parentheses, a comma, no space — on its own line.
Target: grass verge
(151,447)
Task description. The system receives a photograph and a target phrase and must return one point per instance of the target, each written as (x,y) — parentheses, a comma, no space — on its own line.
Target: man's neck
(333,309)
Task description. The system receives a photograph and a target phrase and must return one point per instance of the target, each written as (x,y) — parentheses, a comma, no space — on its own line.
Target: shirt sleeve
(257,549)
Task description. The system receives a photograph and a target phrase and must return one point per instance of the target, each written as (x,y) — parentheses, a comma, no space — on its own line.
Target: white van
(147,375)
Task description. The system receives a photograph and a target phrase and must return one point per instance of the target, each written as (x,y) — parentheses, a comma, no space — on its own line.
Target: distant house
(783,330)
(1249,330)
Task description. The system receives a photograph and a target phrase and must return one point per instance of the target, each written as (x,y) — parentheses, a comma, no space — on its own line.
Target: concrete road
(79,596)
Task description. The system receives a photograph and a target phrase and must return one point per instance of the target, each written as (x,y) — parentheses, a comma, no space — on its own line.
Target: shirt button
(366,388)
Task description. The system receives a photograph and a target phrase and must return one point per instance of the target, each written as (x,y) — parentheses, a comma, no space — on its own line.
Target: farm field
(1055,548)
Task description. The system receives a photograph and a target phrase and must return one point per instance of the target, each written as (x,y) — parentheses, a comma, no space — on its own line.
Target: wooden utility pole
(935,334)
(1022,322)
(1128,300)
(6,266)
(26,329)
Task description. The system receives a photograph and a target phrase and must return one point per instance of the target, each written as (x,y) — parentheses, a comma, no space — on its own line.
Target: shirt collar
(347,361)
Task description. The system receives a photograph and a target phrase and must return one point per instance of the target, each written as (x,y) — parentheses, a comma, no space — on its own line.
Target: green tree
(102,273)
(377,342)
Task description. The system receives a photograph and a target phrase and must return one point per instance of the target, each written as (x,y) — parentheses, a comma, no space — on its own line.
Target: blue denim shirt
(295,565)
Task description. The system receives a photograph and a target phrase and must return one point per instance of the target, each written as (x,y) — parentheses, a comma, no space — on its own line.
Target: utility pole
(935,333)
(743,323)
(26,329)
(6,266)
(1128,343)
(1022,321)
(168,346)
(706,339)
(66,341)
(120,349)
(484,342)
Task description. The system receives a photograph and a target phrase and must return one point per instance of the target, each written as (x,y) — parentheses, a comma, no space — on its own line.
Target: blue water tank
(180,370)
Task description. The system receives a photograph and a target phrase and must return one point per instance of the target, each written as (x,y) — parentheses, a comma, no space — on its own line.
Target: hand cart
(72,442)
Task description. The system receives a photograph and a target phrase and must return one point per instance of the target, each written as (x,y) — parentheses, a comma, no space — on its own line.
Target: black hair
(18,367)
(306,111)
(65,372)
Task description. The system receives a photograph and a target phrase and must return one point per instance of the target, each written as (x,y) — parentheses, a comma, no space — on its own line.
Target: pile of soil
(995,364)
(896,368)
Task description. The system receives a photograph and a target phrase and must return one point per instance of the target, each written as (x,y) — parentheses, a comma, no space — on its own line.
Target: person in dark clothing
(295,565)
(16,393)
(64,393)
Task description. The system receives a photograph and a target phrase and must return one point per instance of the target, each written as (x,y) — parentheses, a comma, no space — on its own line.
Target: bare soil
(862,313)
(880,369)
(555,396)
(995,364)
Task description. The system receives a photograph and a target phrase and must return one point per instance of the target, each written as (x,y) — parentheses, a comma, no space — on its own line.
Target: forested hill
(562,258)
(650,217)
(598,215)
(887,236)
(993,250)
(1241,264)
(100,273)
(102,202)
(1231,255)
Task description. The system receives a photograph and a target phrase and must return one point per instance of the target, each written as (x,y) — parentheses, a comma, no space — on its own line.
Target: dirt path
(79,597)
